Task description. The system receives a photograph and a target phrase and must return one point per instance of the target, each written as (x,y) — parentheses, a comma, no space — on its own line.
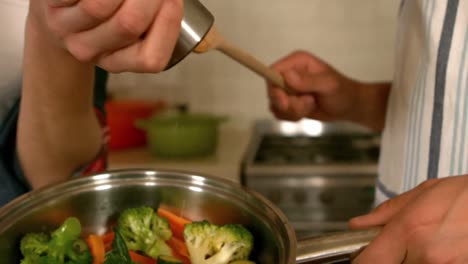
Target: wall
(355,36)
(12,20)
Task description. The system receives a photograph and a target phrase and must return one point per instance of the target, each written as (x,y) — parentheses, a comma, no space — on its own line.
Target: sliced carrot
(179,249)
(178,246)
(108,237)
(96,247)
(140,258)
(176,222)
(108,247)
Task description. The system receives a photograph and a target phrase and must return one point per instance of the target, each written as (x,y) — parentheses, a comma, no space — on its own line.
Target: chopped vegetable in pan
(144,236)
(145,231)
(211,244)
(62,246)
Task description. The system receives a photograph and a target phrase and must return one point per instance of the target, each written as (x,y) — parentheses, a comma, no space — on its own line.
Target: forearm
(371,105)
(57,128)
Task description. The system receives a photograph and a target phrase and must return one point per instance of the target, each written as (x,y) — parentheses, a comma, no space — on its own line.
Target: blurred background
(355,36)
(319,174)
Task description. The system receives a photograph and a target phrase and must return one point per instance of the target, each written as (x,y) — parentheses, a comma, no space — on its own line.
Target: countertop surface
(224,163)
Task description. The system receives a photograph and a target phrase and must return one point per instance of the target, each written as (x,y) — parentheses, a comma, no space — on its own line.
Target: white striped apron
(426,131)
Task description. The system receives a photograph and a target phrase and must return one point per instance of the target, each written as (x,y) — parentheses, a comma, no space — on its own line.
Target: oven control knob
(300,197)
(327,197)
(367,195)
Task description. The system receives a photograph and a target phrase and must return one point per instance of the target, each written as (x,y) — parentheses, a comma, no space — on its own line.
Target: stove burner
(319,182)
(329,149)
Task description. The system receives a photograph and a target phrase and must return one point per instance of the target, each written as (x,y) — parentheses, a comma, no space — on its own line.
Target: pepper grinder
(198,34)
(196,23)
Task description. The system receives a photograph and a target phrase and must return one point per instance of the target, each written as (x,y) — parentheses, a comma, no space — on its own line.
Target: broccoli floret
(63,247)
(29,260)
(79,253)
(49,260)
(212,244)
(34,245)
(237,238)
(85,258)
(144,230)
(62,238)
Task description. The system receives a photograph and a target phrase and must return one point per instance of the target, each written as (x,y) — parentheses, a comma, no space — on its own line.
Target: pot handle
(334,247)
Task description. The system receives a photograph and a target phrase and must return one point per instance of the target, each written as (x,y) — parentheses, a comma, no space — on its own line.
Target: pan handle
(334,247)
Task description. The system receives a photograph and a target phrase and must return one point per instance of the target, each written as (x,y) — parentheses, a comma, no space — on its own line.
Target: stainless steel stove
(319,174)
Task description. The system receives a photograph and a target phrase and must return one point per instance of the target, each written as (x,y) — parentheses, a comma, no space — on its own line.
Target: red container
(121,117)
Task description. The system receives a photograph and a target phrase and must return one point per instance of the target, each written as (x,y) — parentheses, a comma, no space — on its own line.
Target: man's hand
(323,93)
(428,224)
(117,35)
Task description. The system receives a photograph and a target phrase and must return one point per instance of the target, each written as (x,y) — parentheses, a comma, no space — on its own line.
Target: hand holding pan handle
(335,246)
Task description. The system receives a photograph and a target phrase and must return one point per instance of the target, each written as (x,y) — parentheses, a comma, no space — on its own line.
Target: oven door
(317,204)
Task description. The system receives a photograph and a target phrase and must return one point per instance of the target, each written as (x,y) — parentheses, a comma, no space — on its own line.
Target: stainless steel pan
(97,201)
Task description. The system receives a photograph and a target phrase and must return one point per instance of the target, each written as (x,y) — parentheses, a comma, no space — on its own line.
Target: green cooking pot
(182,135)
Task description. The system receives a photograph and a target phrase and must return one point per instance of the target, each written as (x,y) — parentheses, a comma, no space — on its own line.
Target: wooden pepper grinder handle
(214,40)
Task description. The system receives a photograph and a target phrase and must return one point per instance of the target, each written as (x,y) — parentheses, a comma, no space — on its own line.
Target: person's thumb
(308,83)
(387,210)
(62,3)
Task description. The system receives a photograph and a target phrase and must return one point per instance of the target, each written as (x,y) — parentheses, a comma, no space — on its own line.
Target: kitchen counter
(224,163)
